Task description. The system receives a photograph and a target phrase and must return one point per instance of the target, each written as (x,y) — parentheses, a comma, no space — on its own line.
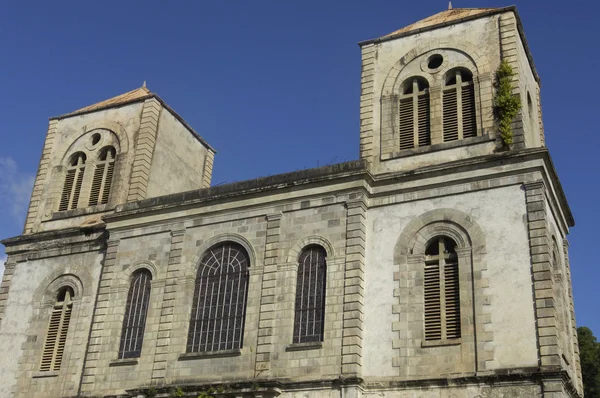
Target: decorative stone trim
(41,178)
(542,275)
(354,281)
(208,166)
(578,382)
(268,296)
(144,147)
(474,295)
(540,116)
(437,147)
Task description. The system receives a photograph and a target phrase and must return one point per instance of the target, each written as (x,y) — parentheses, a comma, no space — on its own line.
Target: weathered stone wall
(503,314)
(176,153)
(34,284)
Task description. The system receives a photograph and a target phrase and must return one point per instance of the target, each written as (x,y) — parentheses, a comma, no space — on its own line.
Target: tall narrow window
(459,119)
(441,291)
(219,306)
(73,180)
(56,337)
(103,175)
(132,334)
(309,317)
(414,114)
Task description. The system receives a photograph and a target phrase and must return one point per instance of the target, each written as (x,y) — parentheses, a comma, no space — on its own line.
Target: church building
(436,265)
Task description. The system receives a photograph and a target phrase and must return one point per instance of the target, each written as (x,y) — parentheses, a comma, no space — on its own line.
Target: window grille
(309,316)
(103,175)
(413,112)
(136,310)
(219,306)
(441,291)
(73,180)
(458,103)
(58,326)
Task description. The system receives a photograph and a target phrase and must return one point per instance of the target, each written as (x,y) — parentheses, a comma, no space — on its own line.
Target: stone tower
(435,265)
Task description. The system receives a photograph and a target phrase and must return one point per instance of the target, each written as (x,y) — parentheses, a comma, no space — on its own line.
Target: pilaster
(354,279)
(266,320)
(208,166)
(41,178)
(578,381)
(389,129)
(436,109)
(144,147)
(542,275)
(168,308)
(367,78)
(9,270)
(96,344)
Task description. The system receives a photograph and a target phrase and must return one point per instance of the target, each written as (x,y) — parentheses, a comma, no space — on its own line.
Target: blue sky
(274,86)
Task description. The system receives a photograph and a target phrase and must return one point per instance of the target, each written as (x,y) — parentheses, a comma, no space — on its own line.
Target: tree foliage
(589,354)
(506,105)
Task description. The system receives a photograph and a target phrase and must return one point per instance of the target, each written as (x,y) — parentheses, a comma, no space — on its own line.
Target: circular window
(435,61)
(95,138)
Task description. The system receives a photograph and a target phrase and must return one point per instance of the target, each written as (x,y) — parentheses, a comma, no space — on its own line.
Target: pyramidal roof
(442,18)
(129,96)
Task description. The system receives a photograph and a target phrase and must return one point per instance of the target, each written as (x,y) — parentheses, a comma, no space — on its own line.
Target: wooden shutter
(469,122)
(433,314)
(96,184)
(107,182)
(452,299)
(56,337)
(67,189)
(424,131)
(407,140)
(77,190)
(450,115)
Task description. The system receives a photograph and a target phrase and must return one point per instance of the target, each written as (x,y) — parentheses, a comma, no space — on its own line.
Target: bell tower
(427,90)
(120,150)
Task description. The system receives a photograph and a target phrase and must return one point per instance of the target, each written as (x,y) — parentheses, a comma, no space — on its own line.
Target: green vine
(506,105)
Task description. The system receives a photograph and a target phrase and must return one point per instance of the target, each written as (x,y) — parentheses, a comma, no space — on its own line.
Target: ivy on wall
(506,105)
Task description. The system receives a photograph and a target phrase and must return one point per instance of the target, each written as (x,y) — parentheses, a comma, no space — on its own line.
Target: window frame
(140,308)
(53,349)
(420,118)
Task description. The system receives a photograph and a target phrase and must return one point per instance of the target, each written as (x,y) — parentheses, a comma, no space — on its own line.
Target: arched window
(459,119)
(414,114)
(73,180)
(56,337)
(441,290)
(103,175)
(132,334)
(219,306)
(309,316)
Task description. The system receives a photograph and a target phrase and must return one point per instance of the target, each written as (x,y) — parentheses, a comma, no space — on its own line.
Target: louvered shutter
(424,131)
(96,184)
(450,115)
(56,337)
(107,182)
(406,123)
(452,300)
(433,313)
(67,189)
(77,190)
(469,122)
(51,340)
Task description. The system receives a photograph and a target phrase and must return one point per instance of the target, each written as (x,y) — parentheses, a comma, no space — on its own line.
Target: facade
(436,265)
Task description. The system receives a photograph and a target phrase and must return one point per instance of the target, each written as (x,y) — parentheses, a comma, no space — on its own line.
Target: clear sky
(274,86)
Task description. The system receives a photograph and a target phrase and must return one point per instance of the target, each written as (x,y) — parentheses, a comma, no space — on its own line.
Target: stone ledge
(440,343)
(39,375)
(438,147)
(124,362)
(312,345)
(210,354)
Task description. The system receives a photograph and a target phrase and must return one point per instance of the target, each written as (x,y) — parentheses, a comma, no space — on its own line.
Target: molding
(317,345)
(209,354)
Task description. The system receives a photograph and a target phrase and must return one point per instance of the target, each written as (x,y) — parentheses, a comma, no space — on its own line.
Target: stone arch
(129,269)
(115,127)
(82,144)
(479,59)
(245,243)
(65,280)
(454,222)
(295,251)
